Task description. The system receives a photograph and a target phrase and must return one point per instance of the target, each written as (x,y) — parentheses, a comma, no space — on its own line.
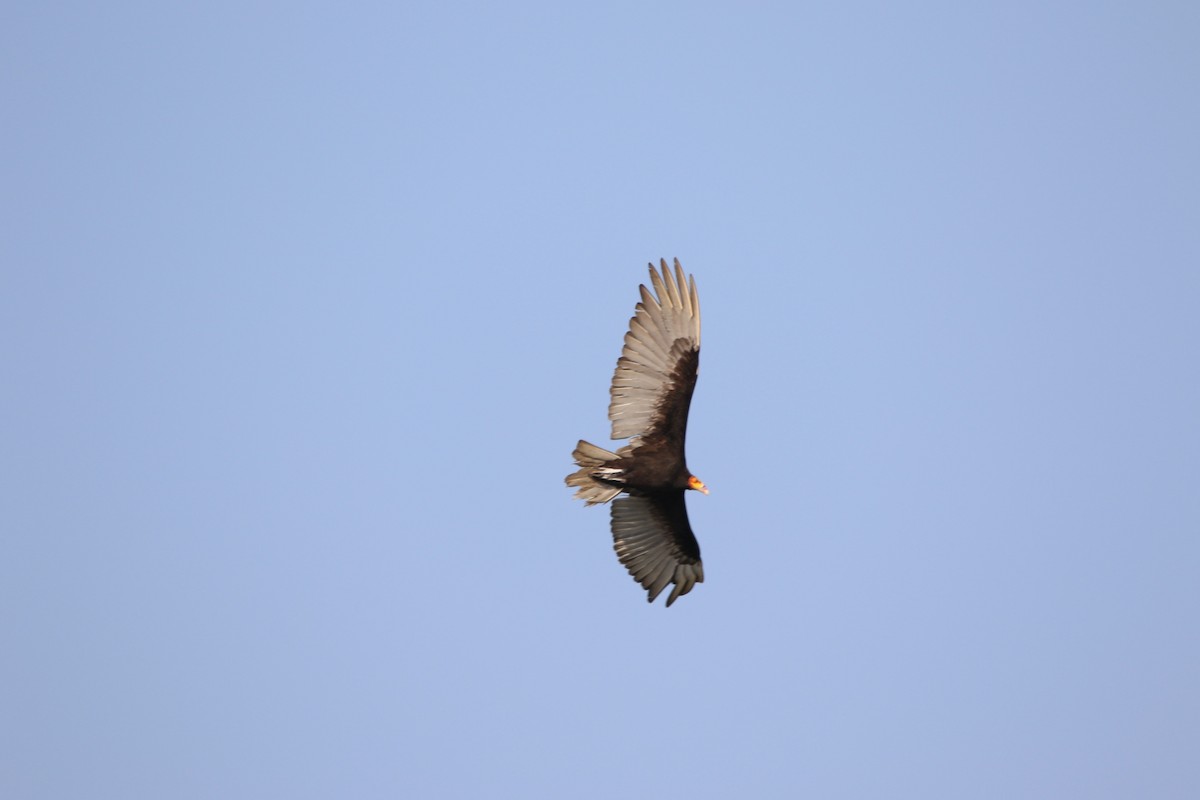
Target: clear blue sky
(303,308)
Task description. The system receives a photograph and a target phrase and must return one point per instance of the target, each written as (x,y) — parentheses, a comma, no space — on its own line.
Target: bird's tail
(592,460)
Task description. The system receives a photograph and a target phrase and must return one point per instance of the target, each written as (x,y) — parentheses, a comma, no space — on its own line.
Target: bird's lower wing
(653,539)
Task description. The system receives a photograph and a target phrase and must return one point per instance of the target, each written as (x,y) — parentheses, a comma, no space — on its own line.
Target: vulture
(646,478)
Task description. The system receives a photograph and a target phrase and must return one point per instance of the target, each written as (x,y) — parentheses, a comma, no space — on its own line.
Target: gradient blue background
(304,306)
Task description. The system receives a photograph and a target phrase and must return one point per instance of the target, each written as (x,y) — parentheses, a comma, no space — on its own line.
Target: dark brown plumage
(651,393)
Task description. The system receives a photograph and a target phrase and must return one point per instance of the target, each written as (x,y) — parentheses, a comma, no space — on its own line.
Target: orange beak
(697,484)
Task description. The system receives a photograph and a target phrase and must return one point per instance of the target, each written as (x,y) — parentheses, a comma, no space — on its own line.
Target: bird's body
(651,394)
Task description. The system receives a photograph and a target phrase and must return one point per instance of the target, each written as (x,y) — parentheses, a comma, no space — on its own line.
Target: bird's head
(697,484)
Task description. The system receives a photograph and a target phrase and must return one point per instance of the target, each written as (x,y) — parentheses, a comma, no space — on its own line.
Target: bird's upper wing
(654,541)
(652,387)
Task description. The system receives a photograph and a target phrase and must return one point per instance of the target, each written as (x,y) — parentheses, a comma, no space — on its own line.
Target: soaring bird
(651,393)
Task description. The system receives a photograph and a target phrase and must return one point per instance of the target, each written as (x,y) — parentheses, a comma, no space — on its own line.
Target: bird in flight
(651,393)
